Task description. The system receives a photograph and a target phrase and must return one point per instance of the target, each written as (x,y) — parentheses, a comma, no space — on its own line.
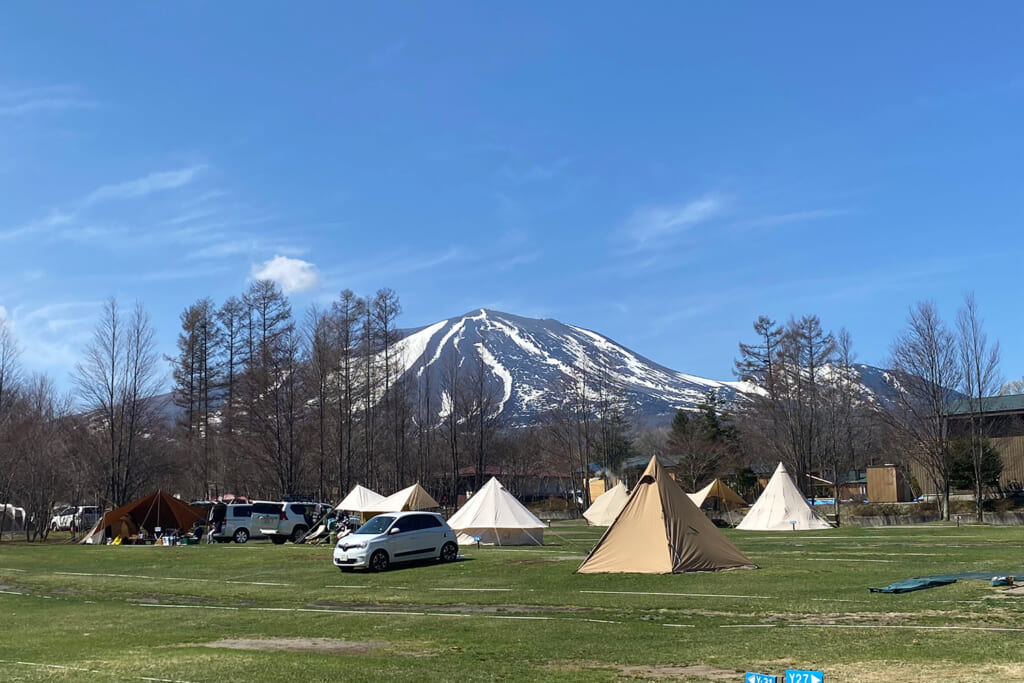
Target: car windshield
(377,525)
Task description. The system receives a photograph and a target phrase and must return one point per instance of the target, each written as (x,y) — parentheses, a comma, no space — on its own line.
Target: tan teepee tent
(720,490)
(781,507)
(661,531)
(413,497)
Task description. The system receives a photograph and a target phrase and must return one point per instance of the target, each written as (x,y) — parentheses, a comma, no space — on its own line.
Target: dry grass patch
(320,645)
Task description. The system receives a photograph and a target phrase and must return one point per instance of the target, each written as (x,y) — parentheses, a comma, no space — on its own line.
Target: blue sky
(662,173)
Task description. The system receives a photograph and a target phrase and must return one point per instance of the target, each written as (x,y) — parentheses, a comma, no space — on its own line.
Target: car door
(415,538)
(265,518)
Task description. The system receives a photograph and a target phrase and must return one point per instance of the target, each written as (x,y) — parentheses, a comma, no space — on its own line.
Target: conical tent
(607,506)
(661,531)
(158,509)
(357,500)
(494,516)
(717,489)
(411,498)
(781,507)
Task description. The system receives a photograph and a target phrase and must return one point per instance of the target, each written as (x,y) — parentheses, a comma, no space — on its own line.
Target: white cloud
(651,224)
(47,98)
(294,275)
(140,187)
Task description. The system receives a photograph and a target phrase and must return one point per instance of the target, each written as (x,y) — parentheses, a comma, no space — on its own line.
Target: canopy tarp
(158,509)
(781,507)
(661,531)
(413,497)
(495,517)
(607,506)
(717,489)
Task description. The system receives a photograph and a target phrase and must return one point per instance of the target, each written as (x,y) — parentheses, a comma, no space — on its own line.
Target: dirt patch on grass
(948,672)
(321,645)
(659,672)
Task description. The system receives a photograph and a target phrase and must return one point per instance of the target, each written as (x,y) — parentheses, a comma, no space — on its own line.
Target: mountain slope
(529,361)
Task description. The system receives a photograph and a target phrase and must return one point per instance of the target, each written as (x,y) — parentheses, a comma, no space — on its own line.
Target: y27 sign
(798,676)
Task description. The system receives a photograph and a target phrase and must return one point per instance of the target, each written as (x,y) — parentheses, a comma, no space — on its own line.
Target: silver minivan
(243,521)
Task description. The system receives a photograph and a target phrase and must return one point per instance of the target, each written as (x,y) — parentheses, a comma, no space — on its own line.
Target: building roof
(1014,403)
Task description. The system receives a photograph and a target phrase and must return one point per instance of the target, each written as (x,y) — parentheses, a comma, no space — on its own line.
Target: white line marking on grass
(12,593)
(346,586)
(10,569)
(680,625)
(173,578)
(156,604)
(490,616)
(683,595)
(503,590)
(602,621)
(843,559)
(64,667)
(912,627)
(747,626)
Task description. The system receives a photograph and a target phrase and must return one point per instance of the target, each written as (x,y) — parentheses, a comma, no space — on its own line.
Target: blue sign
(798,676)
(760,678)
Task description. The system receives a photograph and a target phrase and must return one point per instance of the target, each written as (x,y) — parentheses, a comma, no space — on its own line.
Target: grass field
(260,612)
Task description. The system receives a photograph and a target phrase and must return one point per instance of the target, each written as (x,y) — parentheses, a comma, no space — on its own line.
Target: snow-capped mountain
(528,362)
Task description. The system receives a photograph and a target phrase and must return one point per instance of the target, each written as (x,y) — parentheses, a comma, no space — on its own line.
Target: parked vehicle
(294,520)
(246,520)
(397,537)
(83,517)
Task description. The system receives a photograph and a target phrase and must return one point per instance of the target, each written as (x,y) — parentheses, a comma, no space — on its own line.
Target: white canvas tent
(358,500)
(661,531)
(495,517)
(607,506)
(412,497)
(781,507)
(11,518)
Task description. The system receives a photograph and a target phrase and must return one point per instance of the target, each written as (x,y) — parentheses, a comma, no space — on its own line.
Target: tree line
(267,405)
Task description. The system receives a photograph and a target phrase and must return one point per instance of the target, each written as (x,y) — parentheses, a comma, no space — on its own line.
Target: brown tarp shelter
(158,509)
(413,497)
(661,531)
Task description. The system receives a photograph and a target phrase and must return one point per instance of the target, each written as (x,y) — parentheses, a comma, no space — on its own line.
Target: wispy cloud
(793,217)
(55,219)
(44,99)
(647,227)
(140,187)
(294,275)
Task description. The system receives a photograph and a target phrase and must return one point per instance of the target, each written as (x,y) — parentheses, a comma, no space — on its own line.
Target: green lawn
(79,613)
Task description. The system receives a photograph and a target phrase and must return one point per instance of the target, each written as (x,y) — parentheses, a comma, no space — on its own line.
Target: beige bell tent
(717,490)
(607,506)
(781,507)
(495,517)
(661,531)
(410,498)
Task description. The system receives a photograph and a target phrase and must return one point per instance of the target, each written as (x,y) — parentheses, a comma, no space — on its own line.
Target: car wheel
(278,540)
(241,536)
(449,551)
(379,561)
(53,526)
(297,533)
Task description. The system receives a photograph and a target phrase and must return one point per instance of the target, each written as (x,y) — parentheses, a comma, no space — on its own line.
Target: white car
(396,537)
(83,517)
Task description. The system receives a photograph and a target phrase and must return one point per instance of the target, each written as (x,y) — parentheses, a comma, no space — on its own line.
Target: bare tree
(116,382)
(926,365)
(980,374)
(345,315)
